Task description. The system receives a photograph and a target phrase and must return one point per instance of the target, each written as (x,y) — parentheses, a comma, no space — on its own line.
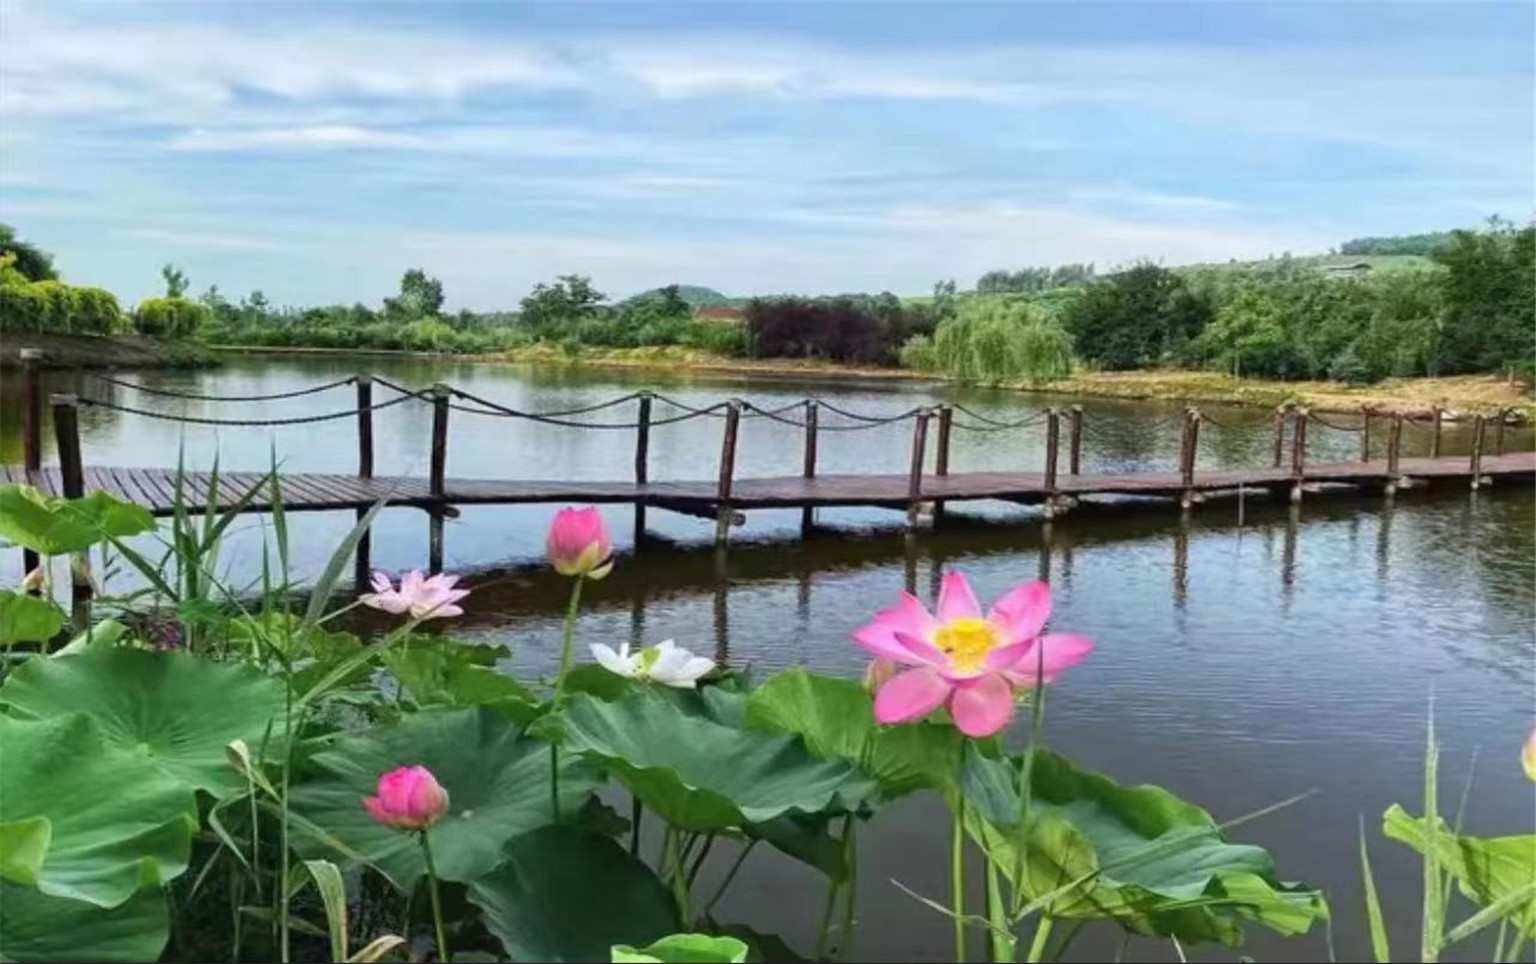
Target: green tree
(33,262)
(176,281)
(569,299)
(1139,317)
(993,341)
(1490,298)
(169,317)
(421,296)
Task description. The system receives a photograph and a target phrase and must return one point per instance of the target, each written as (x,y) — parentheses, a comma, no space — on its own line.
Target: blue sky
(316,151)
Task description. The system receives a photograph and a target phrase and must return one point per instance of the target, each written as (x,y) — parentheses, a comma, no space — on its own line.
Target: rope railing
(199,397)
(496,409)
(247,422)
(1317,417)
(987,423)
(776,415)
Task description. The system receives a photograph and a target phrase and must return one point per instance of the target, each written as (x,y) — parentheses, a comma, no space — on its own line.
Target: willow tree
(995,341)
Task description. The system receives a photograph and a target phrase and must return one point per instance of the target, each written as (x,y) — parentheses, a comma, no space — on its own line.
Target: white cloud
(197,240)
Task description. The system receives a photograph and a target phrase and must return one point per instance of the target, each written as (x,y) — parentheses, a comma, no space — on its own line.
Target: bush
(53,307)
(1144,316)
(169,317)
(919,354)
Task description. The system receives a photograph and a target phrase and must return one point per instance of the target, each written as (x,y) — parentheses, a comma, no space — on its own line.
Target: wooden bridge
(917,492)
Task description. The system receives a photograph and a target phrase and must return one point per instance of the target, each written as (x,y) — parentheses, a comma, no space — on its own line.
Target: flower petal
(381,582)
(1023,611)
(921,652)
(908,615)
(956,599)
(982,706)
(1058,652)
(611,661)
(911,696)
(1007,657)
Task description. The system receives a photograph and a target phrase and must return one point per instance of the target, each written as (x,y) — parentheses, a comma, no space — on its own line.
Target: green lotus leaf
(1154,863)
(173,710)
(836,719)
(115,821)
(683,949)
(700,775)
(444,672)
(1487,869)
(38,927)
(310,651)
(23,845)
(28,619)
(497,782)
(53,526)
(564,894)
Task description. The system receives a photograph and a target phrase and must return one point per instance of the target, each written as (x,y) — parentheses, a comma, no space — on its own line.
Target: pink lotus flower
(965,661)
(430,598)
(410,798)
(578,543)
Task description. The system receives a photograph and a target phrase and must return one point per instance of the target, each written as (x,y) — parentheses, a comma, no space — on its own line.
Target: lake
(1246,654)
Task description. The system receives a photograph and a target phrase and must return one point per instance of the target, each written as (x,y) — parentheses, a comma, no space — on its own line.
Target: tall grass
(1001,342)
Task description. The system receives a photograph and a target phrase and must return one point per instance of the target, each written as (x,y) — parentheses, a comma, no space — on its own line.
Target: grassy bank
(1461,393)
(102,351)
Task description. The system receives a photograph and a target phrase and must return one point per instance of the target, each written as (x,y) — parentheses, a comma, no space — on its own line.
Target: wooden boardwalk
(155,488)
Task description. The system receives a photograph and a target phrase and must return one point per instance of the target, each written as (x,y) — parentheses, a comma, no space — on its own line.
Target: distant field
(1378,262)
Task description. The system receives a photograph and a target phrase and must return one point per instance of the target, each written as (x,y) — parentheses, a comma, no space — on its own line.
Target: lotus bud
(1528,756)
(578,543)
(409,798)
(879,672)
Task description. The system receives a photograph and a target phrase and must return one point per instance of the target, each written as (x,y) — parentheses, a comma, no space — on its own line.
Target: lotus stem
(851,896)
(957,873)
(566,648)
(1042,934)
(437,904)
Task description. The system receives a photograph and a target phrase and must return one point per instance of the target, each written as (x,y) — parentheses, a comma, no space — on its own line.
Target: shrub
(995,342)
(169,317)
(919,354)
(53,307)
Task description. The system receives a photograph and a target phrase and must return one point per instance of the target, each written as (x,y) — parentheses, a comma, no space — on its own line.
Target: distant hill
(1419,244)
(696,295)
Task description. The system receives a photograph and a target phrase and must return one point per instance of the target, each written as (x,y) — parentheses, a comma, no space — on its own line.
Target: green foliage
(696,296)
(1136,318)
(993,341)
(858,329)
(497,780)
(116,824)
(28,619)
(39,927)
(54,526)
(32,262)
(1034,280)
(169,317)
(918,354)
(567,300)
(565,894)
(421,296)
(176,281)
(700,775)
(1141,856)
(54,308)
(1490,299)
(684,949)
(1487,870)
(174,711)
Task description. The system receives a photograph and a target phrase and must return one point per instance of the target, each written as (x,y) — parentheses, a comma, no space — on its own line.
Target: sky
(316,151)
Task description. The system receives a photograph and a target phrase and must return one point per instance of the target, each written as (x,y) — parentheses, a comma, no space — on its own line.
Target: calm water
(1244,656)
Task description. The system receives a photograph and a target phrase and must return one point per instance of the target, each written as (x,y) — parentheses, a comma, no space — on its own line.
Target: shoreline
(1457,395)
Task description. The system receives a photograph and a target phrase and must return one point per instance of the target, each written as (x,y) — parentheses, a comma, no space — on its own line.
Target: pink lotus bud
(879,672)
(410,798)
(1528,756)
(578,543)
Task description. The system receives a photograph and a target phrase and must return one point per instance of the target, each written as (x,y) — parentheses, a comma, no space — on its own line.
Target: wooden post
(66,433)
(1192,451)
(1280,413)
(1498,431)
(1052,445)
(727,473)
(1394,445)
(915,476)
(361,558)
(1298,452)
(642,460)
(808,514)
(31,433)
(941,457)
(437,481)
(1365,436)
(1476,460)
(1434,441)
(1075,444)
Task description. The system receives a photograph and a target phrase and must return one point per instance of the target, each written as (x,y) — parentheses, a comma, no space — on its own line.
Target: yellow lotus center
(966,642)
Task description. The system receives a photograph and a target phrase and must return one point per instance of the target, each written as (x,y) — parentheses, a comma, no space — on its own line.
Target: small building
(721,314)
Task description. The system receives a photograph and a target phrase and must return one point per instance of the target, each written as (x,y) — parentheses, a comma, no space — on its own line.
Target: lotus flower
(430,598)
(578,543)
(666,663)
(1528,756)
(410,798)
(964,660)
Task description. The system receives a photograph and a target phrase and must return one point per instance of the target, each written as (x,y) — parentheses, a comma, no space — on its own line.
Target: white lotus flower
(665,663)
